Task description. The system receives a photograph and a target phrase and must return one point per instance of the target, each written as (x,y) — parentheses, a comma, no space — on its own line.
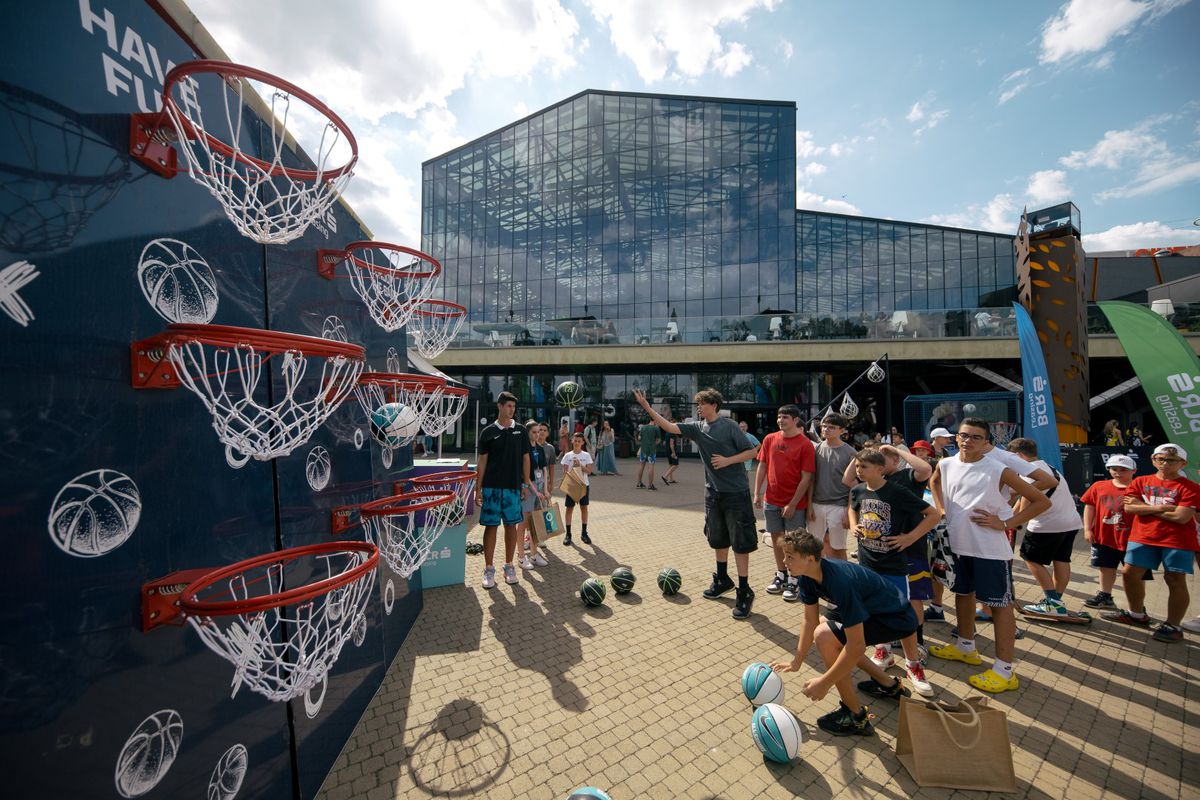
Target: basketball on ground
(592,591)
(588,793)
(622,580)
(761,684)
(669,581)
(776,732)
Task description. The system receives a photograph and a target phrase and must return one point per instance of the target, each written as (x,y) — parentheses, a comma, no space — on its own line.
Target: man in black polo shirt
(501,485)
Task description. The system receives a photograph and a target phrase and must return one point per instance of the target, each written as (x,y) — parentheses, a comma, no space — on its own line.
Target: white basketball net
(261,197)
(434,325)
(1003,432)
(875,373)
(444,411)
(391,282)
(462,483)
(226,379)
(849,408)
(419,393)
(405,537)
(281,653)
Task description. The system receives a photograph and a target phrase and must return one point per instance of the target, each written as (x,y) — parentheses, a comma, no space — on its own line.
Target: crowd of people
(951,507)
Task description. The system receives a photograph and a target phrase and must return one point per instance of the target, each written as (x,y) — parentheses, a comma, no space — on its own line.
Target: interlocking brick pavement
(523,692)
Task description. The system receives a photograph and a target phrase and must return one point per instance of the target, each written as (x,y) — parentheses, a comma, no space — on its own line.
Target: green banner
(1168,369)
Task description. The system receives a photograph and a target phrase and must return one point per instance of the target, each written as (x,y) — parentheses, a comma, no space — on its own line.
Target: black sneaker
(567,540)
(741,606)
(844,723)
(641,485)
(586,539)
(652,488)
(876,689)
(665,482)
(777,584)
(721,584)
(1100,600)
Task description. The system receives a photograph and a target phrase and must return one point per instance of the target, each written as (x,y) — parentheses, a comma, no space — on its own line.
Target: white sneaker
(1191,625)
(917,680)
(540,560)
(883,657)
(791,592)
(510,573)
(489,577)
(526,562)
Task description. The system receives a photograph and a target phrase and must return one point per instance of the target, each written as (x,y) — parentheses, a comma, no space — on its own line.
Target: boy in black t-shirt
(887,519)
(869,610)
(503,482)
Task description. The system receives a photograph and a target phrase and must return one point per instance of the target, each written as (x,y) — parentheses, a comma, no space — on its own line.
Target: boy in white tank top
(967,488)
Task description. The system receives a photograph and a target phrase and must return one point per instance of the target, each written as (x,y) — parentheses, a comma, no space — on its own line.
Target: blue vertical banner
(1039,403)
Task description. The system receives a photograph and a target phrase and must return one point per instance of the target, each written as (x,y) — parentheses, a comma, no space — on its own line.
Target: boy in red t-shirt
(1164,533)
(1106,526)
(786,463)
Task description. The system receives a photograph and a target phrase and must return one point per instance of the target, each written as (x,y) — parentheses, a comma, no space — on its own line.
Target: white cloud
(1139,235)
(383,196)
(1156,166)
(806,147)
(812,169)
(520,110)
(1118,147)
(1104,62)
(923,117)
(814,202)
(916,113)
(1087,26)
(1047,186)
(1155,177)
(679,36)
(1001,214)
(1013,84)
(787,50)
(1012,91)
(934,119)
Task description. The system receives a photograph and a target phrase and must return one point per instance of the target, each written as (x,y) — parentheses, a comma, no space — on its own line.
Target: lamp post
(875,374)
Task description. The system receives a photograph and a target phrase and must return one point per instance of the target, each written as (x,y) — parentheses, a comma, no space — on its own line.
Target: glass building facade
(619,206)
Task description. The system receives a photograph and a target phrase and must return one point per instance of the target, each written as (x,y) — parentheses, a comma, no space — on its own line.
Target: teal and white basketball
(622,580)
(592,591)
(669,580)
(394,425)
(776,732)
(761,684)
(588,793)
(569,394)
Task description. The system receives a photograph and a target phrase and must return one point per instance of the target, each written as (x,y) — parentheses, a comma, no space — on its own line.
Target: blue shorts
(989,579)
(920,577)
(1150,556)
(900,582)
(500,506)
(583,501)
(647,458)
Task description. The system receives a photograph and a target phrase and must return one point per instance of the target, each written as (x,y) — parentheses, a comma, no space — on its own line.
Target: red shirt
(1110,525)
(1153,490)
(786,460)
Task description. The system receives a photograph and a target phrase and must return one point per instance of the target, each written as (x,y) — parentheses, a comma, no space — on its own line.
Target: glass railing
(883,325)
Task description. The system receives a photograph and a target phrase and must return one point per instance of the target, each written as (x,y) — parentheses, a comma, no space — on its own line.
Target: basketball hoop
(849,408)
(416,392)
(391,279)
(403,527)
(266,200)
(1003,433)
(461,482)
(281,641)
(434,324)
(223,366)
(445,410)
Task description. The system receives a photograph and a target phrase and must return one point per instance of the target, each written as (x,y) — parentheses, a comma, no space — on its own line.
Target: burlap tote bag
(958,747)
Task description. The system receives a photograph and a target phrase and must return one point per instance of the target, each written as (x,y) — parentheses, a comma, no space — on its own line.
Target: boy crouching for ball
(869,611)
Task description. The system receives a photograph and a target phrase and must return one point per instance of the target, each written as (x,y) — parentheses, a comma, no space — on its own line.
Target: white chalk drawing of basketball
(359,438)
(332,328)
(235,459)
(177,282)
(227,776)
(385,455)
(389,597)
(95,513)
(317,468)
(13,278)
(393,361)
(149,753)
(360,630)
(312,705)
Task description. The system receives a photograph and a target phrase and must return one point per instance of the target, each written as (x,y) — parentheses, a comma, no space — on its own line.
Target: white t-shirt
(1062,516)
(581,459)
(1016,464)
(967,486)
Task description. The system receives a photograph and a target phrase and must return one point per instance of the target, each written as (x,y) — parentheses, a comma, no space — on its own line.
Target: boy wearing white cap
(1106,526)
(1164,534)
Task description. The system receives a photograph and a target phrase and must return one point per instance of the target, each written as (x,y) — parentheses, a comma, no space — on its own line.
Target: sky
(953,113)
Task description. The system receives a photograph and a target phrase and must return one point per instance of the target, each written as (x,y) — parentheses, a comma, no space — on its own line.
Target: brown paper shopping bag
(572,484)
(965,746)
(546,521)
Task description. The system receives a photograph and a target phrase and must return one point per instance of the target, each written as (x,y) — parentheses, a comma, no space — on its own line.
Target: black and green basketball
(622,580)
(592,591)
(669,580)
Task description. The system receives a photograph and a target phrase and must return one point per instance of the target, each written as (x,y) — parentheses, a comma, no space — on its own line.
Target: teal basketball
(622,580)
(669,580)
(394,425)
(592,591)
(569,394)
(589,793)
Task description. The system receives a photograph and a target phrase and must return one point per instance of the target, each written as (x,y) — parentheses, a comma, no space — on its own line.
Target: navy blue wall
(79,676)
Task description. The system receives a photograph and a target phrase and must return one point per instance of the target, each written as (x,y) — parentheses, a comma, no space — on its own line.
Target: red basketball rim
(406,503)
(263,340)
(402,380)
(227,68)
(204,608)
(436,478)
(447,309)
(434,270)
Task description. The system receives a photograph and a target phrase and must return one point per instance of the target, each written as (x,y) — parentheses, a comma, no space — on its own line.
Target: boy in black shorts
(869,611)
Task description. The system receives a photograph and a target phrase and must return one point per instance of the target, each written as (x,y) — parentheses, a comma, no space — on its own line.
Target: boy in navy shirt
(869,611)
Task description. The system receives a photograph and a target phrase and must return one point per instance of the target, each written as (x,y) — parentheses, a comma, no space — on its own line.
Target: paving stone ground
(522,692)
